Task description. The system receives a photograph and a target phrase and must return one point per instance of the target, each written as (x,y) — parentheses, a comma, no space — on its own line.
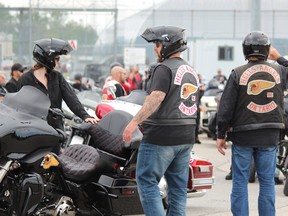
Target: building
(214,28)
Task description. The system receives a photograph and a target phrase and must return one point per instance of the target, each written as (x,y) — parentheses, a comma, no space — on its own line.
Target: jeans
(265,163)
(154,162)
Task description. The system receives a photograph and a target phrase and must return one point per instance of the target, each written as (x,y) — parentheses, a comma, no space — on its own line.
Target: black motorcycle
(282,162)
(82,180)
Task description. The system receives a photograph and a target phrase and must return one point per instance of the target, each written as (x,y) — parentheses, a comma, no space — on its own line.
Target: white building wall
(203,55)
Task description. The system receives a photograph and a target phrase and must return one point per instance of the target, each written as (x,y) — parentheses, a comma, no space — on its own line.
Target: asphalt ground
(216,202)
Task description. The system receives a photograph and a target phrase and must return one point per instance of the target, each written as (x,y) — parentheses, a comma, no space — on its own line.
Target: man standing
(251,112)
(78,83)
(169,120)
(16,72)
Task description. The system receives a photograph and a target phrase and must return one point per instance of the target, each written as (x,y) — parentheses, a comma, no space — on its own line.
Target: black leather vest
(260,99)
(179,106)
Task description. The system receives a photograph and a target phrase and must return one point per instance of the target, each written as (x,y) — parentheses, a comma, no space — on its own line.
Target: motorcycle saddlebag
(200,174)
(28,192)
(123,194)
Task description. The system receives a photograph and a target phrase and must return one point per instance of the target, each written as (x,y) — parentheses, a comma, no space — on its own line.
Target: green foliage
(7,21)
(42,24)
(53,24)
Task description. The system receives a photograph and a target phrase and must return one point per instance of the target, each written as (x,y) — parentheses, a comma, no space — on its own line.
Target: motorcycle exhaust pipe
(4,168)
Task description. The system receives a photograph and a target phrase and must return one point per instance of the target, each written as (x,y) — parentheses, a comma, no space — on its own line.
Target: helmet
(256,43)
(78,77)
(45,51)
(173,39)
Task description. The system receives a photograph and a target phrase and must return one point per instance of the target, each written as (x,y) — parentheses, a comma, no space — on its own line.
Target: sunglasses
(57,58)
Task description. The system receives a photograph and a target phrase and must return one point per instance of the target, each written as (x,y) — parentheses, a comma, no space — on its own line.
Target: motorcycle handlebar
(58,112)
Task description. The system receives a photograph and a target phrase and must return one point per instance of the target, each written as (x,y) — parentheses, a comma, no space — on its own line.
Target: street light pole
(30,32)
(115,31)
(255,15)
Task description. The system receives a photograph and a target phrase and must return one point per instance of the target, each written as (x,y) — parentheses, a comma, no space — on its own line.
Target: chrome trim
(4,167)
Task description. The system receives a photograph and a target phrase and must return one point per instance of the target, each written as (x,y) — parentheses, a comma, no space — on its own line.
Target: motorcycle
(200,170)
(25,137)
(82,180)
(282,163)
(282,156)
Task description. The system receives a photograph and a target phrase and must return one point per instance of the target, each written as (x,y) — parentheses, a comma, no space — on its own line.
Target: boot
(229,176)
(278,181)
(197,140)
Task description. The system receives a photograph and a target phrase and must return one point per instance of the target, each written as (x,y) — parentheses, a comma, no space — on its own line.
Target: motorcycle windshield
(29,100)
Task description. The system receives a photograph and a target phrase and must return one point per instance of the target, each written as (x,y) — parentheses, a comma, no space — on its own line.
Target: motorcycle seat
(79,162)
(106,136)
(136,96)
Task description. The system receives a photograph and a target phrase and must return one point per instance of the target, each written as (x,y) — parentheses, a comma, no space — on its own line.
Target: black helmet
(78,77)
(45,51)
(172,38)
(256,43)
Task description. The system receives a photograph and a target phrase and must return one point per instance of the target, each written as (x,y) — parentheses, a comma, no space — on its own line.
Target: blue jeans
(265,163)
(154,162)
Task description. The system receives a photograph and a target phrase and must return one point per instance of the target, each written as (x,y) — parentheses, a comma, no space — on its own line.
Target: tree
(42,24)
(7,21)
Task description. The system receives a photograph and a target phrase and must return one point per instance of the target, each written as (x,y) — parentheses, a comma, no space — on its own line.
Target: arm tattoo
(152,102)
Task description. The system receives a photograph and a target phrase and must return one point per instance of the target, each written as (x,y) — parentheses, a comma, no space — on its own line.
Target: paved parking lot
(216,202)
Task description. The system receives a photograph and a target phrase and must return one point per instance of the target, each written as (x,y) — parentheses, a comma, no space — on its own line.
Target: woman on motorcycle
(46,53)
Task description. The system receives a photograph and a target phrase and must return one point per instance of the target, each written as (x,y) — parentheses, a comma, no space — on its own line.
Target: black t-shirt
(166,135)
(79,86)
(11,85)
(256,138)
(119,90)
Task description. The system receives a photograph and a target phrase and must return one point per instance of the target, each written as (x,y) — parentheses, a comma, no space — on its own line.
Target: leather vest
(260,99)
(179,106)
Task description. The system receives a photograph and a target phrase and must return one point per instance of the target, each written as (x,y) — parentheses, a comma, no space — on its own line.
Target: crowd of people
(250,113)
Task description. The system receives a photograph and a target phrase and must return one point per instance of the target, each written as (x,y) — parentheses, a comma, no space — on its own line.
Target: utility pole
(115,31)
(255,12)
(30,31)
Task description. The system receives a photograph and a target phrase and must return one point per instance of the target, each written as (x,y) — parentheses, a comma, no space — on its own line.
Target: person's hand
(127,134)
(273,54)
(92,120)
(221,145)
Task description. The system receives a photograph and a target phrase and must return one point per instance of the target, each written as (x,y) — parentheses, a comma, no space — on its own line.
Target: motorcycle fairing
(23,126)
(29,100)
